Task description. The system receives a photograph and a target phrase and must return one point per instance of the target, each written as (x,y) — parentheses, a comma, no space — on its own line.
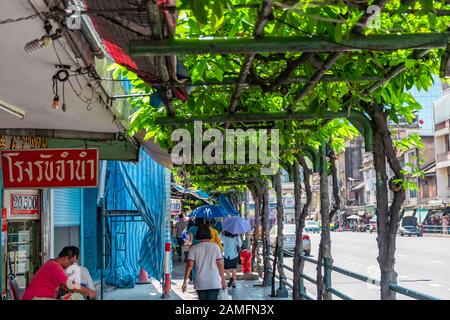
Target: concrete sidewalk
(245,289)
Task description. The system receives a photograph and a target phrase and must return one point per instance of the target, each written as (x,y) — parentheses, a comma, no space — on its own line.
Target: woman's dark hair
(199,221)
(203,233)
(69,252)
(229,235)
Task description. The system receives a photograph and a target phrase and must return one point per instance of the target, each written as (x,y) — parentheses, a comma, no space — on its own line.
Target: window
(447,143)
(413,193)
(448,176)
(426,189)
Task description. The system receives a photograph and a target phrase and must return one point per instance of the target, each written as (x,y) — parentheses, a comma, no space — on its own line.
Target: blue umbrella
(236,225)
(208,212)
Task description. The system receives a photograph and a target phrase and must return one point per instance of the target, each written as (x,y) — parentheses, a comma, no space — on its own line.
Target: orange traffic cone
(143,277)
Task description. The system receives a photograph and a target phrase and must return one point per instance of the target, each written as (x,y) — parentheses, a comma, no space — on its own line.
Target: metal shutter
(67,207)
(90,233)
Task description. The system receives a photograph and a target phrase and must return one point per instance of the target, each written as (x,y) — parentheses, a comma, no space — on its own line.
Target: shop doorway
(23,248)
(66,236)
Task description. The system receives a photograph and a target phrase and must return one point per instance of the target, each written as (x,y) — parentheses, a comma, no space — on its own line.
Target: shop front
(23,234)
(23,216)
(42,208)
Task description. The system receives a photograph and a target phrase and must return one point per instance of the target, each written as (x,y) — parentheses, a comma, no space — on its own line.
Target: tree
(318,83)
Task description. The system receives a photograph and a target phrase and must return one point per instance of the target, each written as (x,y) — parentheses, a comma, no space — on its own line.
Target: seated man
(51,277)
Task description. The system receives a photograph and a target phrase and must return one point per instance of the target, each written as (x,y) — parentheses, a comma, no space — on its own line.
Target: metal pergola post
(377,42)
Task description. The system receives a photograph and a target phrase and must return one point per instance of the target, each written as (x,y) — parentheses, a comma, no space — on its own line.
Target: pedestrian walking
(231,248)
(206,257)
(180,226)
(445,224)
(217,225)
(215,237)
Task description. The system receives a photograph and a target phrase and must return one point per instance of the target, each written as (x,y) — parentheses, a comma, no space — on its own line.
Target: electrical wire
(31,17)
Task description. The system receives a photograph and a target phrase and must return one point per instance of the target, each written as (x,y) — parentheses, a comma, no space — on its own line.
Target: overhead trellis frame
(251,46)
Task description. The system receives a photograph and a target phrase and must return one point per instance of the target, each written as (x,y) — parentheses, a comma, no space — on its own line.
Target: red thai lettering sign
(50,168)
(3,219)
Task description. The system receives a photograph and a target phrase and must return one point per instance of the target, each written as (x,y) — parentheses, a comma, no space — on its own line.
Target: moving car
(312,226)
(289,239)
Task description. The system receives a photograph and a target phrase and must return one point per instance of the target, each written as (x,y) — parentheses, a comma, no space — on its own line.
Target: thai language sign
(49,168)
(3,221)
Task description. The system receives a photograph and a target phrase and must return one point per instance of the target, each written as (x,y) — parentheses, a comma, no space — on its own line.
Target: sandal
(230,282)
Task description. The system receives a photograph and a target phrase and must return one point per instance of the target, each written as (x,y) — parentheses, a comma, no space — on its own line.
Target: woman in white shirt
(207,259)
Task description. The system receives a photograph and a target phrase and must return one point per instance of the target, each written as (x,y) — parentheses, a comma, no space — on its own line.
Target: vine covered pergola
(319,72)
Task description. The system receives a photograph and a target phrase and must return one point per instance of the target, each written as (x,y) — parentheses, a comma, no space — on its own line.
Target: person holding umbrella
(231,249)
(232,243)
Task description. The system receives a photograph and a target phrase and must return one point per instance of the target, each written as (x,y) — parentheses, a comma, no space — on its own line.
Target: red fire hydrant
(246,259)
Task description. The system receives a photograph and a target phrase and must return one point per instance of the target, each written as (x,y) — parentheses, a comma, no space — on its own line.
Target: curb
(438,235)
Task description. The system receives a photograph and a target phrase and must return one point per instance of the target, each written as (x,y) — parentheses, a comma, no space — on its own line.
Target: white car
(289,238)
(312,226)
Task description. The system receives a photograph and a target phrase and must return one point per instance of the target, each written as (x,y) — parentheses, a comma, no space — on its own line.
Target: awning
(421,214)
(199,194)
(430,170)
(114,150)
(159,155)
(224,202)
(408,213)
(117,30)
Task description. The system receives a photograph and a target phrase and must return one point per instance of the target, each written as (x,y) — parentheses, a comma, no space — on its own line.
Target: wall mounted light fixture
(12,109)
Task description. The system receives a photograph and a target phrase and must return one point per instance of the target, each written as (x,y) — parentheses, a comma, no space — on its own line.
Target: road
(422,264)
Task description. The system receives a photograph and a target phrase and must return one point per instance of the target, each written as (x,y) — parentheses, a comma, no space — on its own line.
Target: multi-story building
(358,176)
(442,142)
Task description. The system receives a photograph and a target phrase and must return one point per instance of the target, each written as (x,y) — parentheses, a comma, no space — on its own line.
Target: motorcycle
(373,227)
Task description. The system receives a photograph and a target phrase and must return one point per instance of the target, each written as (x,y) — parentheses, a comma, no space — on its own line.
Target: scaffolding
(114,240)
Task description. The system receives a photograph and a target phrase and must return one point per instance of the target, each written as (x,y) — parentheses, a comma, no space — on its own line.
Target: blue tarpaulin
(224,202)
(199,194)
(141,187)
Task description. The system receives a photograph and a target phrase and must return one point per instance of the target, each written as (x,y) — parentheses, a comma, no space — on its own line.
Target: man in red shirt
(51,277)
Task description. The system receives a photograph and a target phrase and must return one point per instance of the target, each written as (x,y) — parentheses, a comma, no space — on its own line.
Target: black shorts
(230,263)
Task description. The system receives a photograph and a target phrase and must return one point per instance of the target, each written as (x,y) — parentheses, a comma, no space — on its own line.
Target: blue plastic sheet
(142,187)
(224,202)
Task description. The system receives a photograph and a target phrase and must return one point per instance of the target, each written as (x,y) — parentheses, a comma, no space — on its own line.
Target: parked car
(312,226)
(408,227)
(410,231)
(289,239)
